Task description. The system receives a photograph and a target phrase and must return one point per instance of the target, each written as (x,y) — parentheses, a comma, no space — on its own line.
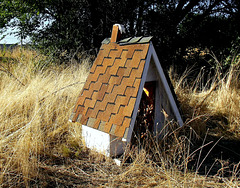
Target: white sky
(9,39)
(12,39)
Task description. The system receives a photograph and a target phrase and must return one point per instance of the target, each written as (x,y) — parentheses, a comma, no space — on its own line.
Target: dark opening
(145,118)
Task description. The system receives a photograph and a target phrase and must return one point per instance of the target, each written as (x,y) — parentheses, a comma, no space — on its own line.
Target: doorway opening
(144,123)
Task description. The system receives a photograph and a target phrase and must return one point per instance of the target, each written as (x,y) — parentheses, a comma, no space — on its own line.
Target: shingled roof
(109,95)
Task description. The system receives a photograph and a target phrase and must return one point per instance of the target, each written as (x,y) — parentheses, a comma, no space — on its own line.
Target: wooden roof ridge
(130,40)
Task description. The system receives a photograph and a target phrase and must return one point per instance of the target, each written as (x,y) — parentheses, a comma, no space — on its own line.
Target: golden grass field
(39,147)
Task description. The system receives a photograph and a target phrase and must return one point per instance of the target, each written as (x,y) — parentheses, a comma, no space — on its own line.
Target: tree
(68,25)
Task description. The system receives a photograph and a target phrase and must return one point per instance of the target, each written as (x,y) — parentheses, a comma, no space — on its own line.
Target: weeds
(211,96)
(34,115)
(40,147)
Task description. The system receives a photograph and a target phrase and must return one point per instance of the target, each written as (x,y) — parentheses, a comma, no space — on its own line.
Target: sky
(9,39)
(12,39)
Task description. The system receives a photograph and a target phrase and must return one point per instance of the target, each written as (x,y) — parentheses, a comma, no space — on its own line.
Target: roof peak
(130,40)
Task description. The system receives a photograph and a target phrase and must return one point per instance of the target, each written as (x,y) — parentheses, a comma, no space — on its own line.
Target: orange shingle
(108,97)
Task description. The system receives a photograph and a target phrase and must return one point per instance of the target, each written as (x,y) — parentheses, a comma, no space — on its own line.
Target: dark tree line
(68,25)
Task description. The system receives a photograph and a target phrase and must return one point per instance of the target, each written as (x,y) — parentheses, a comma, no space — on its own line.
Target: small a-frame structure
(109,101)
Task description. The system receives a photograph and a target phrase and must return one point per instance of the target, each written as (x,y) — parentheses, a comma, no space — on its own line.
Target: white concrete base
(102,142)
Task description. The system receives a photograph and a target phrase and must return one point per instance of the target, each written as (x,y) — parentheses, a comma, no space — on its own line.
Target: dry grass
(35,107)
(40,147)
(212,96)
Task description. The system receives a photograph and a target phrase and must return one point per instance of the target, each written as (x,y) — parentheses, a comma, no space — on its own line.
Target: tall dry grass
(212,95)
(35,107)
(40,147)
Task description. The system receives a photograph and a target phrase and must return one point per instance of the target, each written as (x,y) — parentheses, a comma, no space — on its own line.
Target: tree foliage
(67,25)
